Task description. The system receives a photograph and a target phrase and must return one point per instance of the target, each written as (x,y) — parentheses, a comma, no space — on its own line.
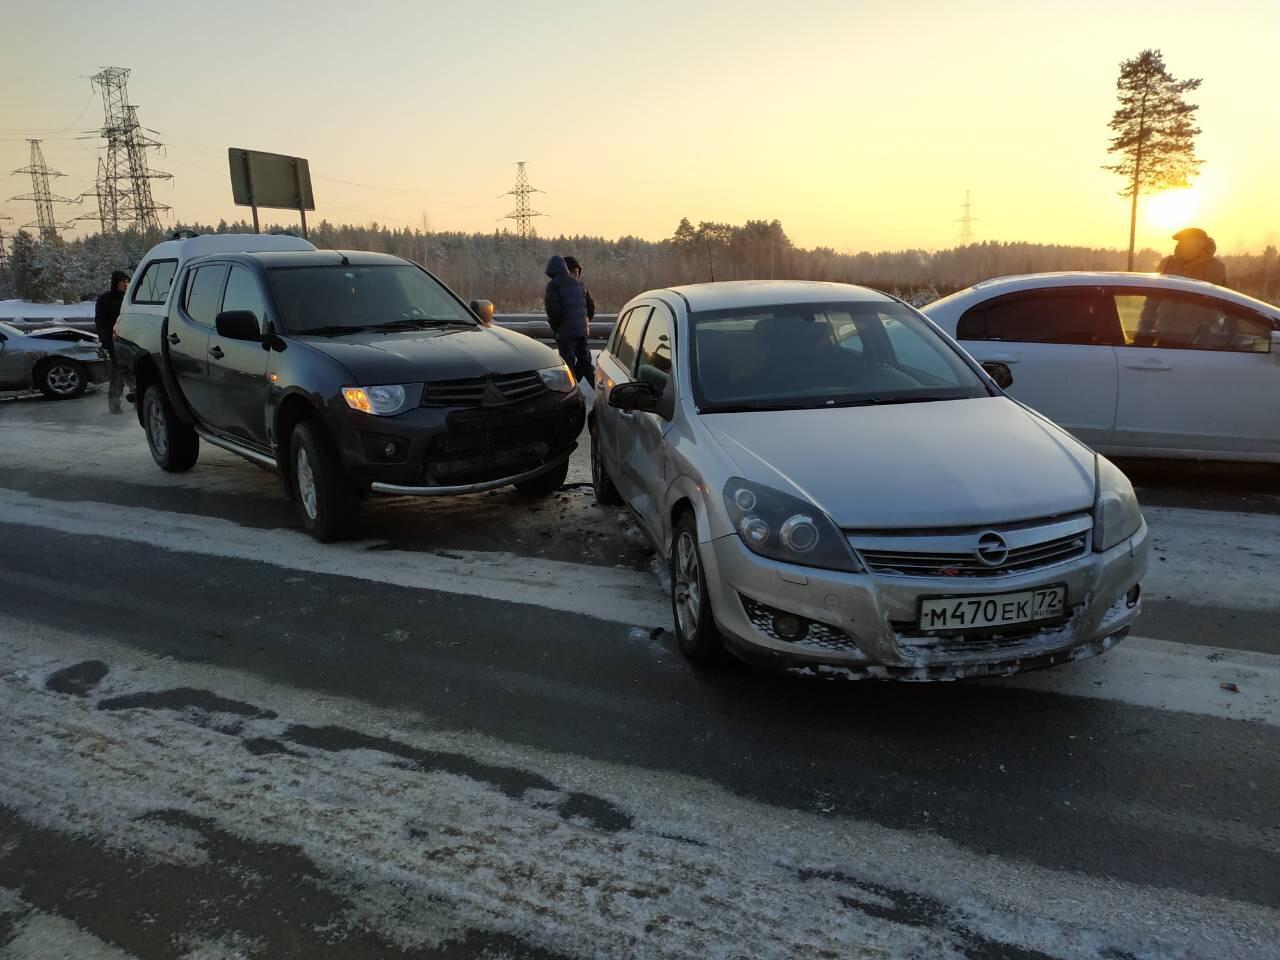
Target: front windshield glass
(334,298)
(816,355)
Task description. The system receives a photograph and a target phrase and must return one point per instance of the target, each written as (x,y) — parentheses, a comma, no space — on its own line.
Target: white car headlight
(1116,514)
(782,527)
(559,379)
(383,401)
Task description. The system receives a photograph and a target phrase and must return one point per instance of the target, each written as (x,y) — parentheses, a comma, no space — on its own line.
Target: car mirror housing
(238,325)
(634,397)
(483,309)
(1000,373)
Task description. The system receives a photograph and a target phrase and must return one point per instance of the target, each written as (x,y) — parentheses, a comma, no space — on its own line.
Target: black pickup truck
(345,373)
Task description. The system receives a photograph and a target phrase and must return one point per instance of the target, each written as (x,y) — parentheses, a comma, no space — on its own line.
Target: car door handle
(216,353)
(1153,365)
(174,338)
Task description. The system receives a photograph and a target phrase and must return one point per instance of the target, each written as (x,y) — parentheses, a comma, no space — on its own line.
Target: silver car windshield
(821,355)
(340,298)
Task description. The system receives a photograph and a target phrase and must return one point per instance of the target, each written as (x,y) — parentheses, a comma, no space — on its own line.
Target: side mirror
(1000,373)
(637,396)
(238,325)
(484,310)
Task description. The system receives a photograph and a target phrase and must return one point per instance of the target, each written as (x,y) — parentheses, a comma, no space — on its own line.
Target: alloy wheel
(63,379)
(157,431)
(688,593)
(306,483)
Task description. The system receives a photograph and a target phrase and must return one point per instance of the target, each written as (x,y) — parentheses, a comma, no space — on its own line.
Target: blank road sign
(270,180)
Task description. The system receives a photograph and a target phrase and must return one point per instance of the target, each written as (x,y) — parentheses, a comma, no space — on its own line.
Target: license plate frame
(1001,626)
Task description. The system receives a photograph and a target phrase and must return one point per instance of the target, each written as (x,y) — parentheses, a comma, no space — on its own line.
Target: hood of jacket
(556,267)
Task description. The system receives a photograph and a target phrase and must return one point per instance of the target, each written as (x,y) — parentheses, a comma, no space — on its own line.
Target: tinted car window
(153,286)
(337,295)
(655,349)
(794,356)
(204,292)
(1058,317)
(1183,322)
(624,351)
(243,294)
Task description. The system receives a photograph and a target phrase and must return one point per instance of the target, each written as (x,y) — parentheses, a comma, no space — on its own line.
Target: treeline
(497,266)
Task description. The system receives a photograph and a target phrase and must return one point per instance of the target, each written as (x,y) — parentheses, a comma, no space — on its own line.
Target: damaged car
(834,483)
(59,361)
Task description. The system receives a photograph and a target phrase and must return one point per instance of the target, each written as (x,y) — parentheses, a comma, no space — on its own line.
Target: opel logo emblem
(991,551)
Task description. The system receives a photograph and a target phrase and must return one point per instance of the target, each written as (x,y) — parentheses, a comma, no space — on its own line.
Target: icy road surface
(470,735)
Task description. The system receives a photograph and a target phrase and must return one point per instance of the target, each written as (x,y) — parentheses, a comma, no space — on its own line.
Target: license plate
(993,610)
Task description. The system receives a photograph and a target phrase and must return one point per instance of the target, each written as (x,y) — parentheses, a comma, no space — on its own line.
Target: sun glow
(1173,209)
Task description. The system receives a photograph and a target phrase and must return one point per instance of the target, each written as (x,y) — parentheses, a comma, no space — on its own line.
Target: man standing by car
(105,314)
(1194,257)
(566,301)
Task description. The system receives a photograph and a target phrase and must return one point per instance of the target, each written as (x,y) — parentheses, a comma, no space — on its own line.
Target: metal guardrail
(531,324)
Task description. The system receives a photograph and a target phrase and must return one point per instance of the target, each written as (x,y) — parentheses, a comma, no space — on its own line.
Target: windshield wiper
(334,330)
(418,323)
(881,401)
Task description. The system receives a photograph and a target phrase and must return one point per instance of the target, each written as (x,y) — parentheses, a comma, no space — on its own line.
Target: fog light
(390,450)
(789,626)
(1132,597)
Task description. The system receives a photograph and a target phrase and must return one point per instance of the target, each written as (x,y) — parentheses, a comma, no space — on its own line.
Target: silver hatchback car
(835,483)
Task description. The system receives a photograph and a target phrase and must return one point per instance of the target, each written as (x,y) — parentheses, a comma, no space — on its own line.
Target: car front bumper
(448,451)
(865,624)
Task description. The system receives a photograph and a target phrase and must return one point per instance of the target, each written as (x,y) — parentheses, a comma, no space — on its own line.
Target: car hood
(946,464)
(447,353)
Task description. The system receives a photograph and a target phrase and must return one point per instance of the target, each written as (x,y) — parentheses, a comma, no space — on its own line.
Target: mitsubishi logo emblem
(991,551)
(492,395)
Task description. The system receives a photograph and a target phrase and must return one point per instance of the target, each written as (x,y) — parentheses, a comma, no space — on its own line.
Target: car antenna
(345,261)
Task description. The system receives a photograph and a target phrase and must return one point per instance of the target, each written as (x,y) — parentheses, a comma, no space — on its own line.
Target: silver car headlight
(385,400)
(559,379)
(1116,514)
(779,526)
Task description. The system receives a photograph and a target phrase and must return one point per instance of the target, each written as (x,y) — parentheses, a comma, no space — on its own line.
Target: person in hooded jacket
(105,313)
(1195,257)
(565,301)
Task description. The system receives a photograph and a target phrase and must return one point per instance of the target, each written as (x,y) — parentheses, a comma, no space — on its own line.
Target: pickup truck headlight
(383,401)
(1116,514)
(779,526)
(559,379)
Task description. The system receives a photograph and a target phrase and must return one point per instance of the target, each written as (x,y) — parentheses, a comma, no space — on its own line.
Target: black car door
(190,324)
(238,368)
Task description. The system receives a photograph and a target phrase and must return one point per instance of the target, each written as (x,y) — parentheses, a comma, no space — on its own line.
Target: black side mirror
(484,310)
(637,396)
(238,325)
(1000,373)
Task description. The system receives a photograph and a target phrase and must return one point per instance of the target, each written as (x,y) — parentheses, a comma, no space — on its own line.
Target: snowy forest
(499,267)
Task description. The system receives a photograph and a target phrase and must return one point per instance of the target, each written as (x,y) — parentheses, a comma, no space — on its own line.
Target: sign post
(270,180)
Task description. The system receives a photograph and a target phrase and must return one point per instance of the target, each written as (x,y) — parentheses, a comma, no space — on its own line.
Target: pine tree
(1154,130)
(22,264)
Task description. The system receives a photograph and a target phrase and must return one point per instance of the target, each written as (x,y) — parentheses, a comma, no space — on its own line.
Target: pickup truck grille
(484,391)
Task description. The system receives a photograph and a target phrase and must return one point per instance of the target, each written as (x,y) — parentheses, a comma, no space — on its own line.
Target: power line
(41,195)
(523,212)
(123,185)
(966,221)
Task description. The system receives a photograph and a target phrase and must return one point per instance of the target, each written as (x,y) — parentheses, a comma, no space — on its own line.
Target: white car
(1135,365)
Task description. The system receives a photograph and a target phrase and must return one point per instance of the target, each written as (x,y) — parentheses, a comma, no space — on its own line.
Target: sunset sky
(858,124)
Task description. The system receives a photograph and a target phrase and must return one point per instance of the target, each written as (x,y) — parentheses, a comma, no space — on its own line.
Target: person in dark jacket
(1195,257)
(565,301)
(575,268)
(105,313)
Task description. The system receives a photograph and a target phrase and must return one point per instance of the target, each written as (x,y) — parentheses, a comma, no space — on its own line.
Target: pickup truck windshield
(330,297)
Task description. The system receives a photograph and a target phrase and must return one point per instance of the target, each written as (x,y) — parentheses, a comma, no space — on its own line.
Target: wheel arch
(294,408)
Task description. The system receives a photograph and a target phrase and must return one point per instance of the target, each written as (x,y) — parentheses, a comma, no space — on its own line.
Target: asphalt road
(470,735)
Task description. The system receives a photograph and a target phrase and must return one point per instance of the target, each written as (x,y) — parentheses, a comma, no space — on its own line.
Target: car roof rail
(184,235)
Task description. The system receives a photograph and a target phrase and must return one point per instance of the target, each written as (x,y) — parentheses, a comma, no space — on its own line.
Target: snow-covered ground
(26,310)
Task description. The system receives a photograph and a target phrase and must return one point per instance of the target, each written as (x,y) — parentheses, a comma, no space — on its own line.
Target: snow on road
(178,764)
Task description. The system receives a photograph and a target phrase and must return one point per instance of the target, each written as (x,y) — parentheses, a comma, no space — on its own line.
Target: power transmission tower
(4,254)
(966,221)
(41,195)
(107,213)
(124,180)
(523,213)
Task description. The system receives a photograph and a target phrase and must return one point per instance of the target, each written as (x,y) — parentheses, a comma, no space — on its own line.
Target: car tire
(175,447)
(61,379)
(696,631)
(327,499)
(545,484)
(601,483)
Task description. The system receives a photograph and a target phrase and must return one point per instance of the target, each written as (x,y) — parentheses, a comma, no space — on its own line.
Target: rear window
(154,283)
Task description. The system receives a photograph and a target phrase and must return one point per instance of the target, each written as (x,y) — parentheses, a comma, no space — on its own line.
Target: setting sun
(1173,208)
